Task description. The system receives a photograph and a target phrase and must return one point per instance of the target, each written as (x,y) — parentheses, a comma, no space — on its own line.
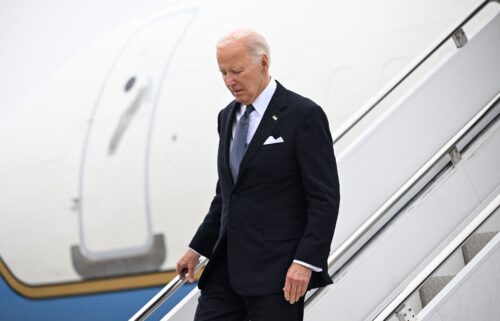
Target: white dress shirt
(260,104)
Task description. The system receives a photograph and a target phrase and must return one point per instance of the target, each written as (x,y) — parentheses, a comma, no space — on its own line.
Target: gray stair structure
(445,93)
(432,287)
(476,243)
(435,216)
(473,293)
(470,249)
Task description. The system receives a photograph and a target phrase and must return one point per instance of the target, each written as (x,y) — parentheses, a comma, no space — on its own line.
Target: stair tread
(432,287)
(475,243)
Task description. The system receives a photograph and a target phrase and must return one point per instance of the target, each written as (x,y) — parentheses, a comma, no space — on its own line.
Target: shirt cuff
(312,267)
(194,251)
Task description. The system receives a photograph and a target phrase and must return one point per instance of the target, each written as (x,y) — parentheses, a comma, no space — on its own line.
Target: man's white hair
(257,45)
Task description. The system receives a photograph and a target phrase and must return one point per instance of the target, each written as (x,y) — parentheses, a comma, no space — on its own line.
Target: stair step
(432,286)
(471,247)
(475,243)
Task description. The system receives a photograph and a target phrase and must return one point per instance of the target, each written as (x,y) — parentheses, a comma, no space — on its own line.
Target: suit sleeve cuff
(312,267)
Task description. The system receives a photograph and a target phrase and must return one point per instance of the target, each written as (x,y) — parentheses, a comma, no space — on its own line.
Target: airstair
(416,237)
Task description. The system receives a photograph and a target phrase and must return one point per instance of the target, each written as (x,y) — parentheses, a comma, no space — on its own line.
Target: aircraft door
(116,233)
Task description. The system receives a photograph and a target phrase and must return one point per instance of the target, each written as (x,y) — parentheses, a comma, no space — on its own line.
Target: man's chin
(241,100)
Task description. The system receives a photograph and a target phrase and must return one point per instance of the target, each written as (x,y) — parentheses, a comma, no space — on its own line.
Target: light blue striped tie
(239,144)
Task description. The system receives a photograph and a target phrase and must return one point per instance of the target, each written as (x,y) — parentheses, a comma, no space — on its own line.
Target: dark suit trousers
(219,302)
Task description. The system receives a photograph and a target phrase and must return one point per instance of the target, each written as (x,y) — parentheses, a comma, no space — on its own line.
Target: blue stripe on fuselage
(110,306)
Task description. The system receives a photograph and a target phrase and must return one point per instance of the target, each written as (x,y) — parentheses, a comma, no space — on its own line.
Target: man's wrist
(194,251)
(310,266)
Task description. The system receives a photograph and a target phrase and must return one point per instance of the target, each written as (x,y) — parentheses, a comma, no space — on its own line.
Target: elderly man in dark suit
(270,225)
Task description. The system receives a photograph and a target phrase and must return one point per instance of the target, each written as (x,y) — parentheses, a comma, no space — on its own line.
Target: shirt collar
(262,101)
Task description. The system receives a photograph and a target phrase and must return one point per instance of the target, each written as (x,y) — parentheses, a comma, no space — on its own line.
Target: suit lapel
(271,118)
(228,129)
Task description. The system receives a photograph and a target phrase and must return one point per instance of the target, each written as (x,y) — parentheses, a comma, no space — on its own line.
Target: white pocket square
(271,140)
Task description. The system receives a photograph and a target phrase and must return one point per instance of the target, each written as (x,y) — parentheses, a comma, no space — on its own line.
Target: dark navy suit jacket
(284,203)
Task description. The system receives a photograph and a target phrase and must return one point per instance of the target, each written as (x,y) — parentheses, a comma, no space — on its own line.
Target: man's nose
(229,80)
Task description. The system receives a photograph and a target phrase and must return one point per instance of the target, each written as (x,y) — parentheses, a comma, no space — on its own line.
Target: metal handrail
(355,119)
(164,294)
(439,259)
(363,230)
(177,282)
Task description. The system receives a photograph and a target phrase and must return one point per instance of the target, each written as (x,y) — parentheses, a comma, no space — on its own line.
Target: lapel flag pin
(275,117)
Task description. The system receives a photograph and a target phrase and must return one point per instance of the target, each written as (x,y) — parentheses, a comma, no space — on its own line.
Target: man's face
(243,76)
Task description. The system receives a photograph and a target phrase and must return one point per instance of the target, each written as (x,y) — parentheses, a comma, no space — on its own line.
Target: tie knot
(249,109)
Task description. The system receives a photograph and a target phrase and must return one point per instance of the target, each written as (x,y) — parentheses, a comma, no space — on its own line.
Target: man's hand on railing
(187,264)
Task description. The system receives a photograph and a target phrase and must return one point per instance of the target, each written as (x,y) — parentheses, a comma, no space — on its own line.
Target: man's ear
(265,63)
